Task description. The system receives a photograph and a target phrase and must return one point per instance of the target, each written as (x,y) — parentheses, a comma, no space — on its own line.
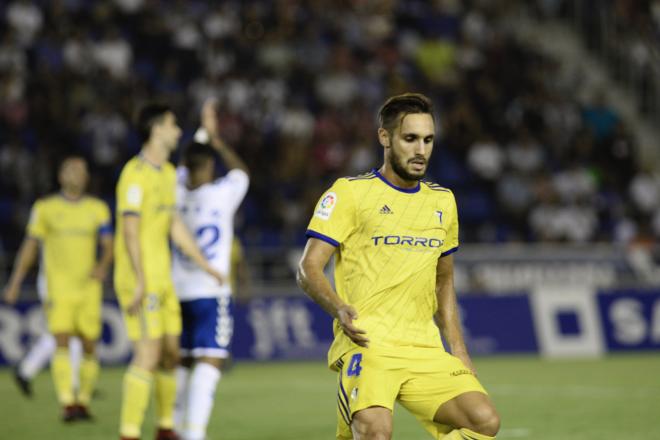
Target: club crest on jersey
(326,206)
(439,214)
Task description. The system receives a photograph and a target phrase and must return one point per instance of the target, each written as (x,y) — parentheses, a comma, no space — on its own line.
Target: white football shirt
(208,212)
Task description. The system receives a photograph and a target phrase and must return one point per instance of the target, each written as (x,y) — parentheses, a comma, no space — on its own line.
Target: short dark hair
(397,107)
(196,154)
(61,160)
(147,116)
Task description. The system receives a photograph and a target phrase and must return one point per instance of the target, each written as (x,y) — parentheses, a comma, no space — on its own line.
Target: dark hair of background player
(149,115)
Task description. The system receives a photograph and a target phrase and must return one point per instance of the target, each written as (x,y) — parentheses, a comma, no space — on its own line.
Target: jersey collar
(147,161)
(398,188)
(71,199)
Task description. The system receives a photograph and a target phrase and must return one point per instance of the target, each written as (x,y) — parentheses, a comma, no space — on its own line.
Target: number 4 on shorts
(354,367)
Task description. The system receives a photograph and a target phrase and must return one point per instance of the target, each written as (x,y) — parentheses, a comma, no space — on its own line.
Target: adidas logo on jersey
(386,210)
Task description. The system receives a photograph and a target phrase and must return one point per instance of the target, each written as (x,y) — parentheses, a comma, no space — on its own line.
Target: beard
(398,165)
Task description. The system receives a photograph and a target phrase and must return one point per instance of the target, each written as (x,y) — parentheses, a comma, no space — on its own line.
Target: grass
(615,397)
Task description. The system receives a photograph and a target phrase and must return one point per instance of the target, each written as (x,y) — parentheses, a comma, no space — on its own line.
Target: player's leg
(165,387)
(165,375)
(88,324)
(60,311)
(367,387)
(373,423)
(182,384)
(204,379)
(212,325)
(137,385)
(88,375)
(472,414)
(448,399)
(145,330)
(63,377)
(184,368)
(183,372)
(34,361)
(76,354)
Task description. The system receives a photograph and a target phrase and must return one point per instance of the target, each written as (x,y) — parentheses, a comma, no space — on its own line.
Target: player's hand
(209,117)
(10,294)
(345,315)
(216,274)
(99,273)
(465,358)
(136,303)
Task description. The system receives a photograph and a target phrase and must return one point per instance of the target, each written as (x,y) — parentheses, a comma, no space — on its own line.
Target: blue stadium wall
(551,321)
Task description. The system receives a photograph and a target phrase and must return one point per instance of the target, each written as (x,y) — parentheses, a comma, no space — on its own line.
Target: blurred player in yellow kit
(393,236)
(146,221)
(68,226)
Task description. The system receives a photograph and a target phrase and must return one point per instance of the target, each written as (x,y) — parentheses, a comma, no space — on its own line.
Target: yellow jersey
(147,191)
(388,243)
(68,231)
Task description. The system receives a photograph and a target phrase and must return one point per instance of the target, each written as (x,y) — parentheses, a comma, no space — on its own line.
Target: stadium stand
(298,83)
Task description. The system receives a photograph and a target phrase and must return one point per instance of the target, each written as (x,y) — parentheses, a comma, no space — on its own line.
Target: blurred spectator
(298,85)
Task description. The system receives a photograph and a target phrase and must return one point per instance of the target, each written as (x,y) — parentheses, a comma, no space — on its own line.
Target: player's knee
(371,428)
(169,361)
(484,420)
(371,431)
(62,340)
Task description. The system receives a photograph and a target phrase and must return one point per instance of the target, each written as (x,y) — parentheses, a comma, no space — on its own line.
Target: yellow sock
(465,434)
(165,398)
(61,371)
(137,390)
(89,372)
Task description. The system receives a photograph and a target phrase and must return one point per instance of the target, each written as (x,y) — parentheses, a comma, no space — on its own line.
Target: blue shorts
(208,326)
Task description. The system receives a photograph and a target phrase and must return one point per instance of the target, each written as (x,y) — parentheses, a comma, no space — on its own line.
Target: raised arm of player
(447,315)
(103,265)
(27,256)
(314,283)
(132,241)
(209,119)
(186,243)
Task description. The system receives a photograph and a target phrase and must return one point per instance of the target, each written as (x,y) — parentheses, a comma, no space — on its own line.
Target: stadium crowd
(298,84)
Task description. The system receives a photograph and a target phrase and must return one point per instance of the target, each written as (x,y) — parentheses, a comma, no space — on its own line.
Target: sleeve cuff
(105,229)
(449,252)
(313,234)
(133,213)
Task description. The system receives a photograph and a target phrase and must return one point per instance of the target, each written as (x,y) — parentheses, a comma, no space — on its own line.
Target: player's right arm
(130,200)
(333,221)
(313,282)
(27,255)
(131,237)
(25,259)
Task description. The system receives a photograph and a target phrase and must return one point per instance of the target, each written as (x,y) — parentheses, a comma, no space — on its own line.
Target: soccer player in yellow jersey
(146,221)
(393,236)
(68,226)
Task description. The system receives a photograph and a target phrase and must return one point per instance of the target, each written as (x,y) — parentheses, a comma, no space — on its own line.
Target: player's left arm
(184,240)
(102,267)
(447,315)
(106,243)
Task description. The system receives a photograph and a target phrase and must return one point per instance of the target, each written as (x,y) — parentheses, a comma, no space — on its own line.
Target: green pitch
(617,397)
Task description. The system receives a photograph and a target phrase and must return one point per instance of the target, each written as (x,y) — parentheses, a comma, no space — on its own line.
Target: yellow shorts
(75,314)
(160,314)
(420,379)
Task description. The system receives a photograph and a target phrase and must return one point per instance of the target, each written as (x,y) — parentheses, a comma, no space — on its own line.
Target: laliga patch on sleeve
(134,195)
(326,206)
